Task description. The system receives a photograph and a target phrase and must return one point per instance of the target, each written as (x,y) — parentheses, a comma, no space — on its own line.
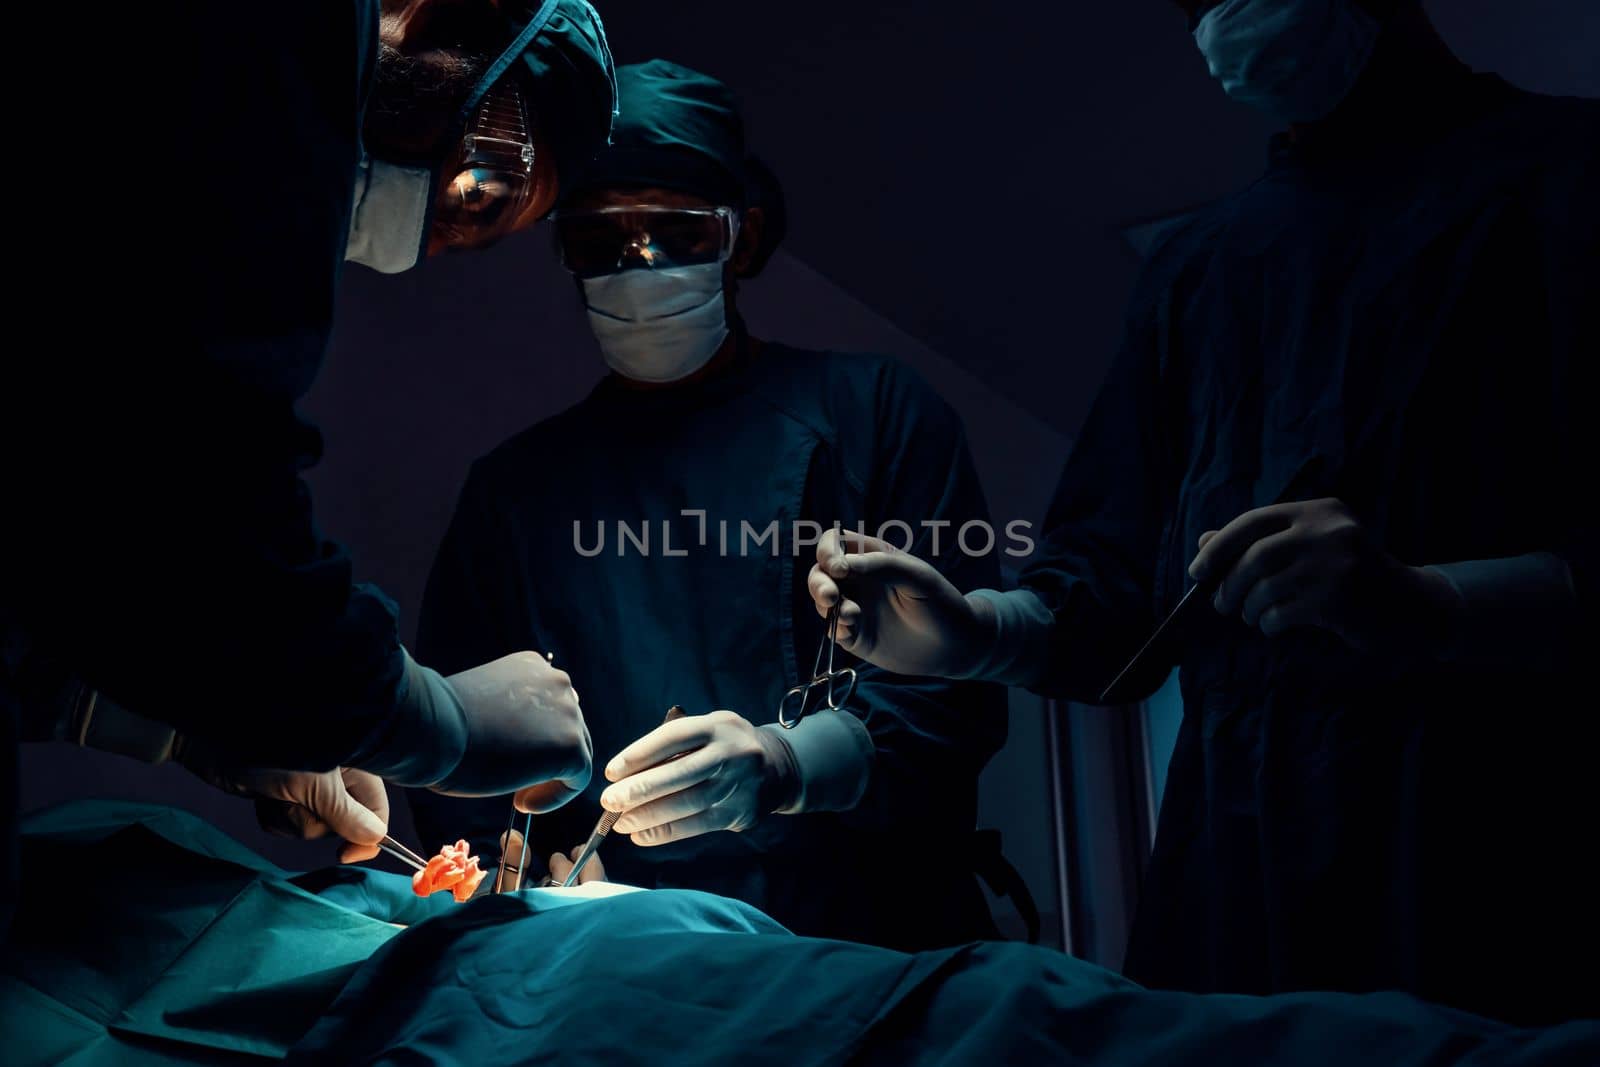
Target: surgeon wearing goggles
(650,265)
(168,593)
(469,155)
(661,235)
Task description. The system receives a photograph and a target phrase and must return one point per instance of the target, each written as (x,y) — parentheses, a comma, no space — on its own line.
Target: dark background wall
(958,176)
(964,168)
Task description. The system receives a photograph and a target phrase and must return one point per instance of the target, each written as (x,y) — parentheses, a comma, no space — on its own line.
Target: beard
(430,57)
(416,98)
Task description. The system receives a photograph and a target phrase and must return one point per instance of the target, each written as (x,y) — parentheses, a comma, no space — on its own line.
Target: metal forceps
(502,883)
(402,853)
(799,698)
(508,872)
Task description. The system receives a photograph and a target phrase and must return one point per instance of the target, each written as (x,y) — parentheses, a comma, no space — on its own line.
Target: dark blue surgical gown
(786,435)
(1410,326)
(158,539)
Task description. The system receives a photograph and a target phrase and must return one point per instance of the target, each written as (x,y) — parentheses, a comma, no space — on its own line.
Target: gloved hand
(1312,564)
(561,867)
(730,775)
(524,726)
(899,612)
(510,726)
(347,802)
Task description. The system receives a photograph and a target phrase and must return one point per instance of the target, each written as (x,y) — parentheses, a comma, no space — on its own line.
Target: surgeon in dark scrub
(167,593)
(704,436)
(1351,402)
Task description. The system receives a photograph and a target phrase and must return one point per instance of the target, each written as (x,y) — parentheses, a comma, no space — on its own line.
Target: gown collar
(1452,105)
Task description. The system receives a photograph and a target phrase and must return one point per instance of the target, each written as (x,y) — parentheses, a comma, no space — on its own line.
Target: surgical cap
(675,129)
(560,46)
(679,129)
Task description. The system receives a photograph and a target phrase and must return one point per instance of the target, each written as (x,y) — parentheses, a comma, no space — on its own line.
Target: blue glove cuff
(1515,610)
(833,755)
(427,736)
(1021,643)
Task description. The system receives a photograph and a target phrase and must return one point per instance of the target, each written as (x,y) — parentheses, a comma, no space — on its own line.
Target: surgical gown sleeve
(469,617)
(1556,623)
(931,736)
(160,535)
(1577,341)
(1095,571)
(470,612)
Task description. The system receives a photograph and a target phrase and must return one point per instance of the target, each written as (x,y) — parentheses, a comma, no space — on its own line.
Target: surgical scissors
(845,677)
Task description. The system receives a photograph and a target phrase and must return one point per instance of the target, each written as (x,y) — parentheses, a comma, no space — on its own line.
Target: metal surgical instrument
(609,819)
(601,829)
(1160,645)
(522,860)
(800,696)
(402,853)
(527,829)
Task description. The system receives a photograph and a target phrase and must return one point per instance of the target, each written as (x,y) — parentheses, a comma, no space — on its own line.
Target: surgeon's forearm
(419,744)
(79,714)
(830,760)
(1019,626)
(53,705)
(103,724)
(425,738)
(1512,611)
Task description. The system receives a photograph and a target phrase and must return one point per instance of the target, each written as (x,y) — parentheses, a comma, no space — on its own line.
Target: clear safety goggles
(605,240)
(491,180)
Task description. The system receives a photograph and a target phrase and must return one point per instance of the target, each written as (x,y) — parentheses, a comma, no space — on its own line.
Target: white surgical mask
(1294,59)
(658,325)
(389,215)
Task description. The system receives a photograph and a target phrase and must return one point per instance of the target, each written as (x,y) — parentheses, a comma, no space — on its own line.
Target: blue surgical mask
(1294,59)
(658,325)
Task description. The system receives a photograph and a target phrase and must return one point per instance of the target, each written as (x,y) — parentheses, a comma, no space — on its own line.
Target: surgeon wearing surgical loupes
(1352,399)
(168,595)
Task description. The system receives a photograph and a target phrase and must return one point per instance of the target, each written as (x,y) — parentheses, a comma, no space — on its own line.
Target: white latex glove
(348,803)
(898,611)
(1312,564)
(561,867)
(731,774)
(525,730)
